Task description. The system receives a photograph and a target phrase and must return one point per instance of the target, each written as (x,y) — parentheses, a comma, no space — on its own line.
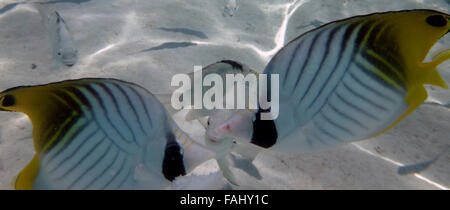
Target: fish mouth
(213,139)
(69,64)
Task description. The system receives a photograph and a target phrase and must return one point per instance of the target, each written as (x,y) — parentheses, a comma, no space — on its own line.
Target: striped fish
(220,68)
(347,80)
(101,134)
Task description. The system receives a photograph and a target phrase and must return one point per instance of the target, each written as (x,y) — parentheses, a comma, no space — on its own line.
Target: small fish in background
(107,134)
(185,31)
(221,68)
(64,49)
(169,45)
(421,166)
(346,81)
(230,8)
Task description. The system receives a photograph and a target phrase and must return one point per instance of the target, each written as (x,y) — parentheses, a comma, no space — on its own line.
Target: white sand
(110,34)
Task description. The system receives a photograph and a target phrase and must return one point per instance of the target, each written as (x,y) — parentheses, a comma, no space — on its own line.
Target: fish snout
(213,137)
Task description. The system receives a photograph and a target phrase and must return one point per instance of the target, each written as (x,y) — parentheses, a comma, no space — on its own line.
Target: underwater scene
(104,94)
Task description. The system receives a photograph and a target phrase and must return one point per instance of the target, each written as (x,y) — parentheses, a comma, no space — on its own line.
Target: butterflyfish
(103,134)
(346,81)
(221,69)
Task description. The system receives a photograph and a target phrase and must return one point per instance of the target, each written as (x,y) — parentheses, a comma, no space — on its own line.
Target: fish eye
(58,53)
(436,21)
(8,100)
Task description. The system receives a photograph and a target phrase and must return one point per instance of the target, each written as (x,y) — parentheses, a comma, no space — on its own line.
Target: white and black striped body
(110,135)
(335,87)
(221,68)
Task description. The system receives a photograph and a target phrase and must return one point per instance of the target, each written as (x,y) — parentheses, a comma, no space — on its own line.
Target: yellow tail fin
(25,179)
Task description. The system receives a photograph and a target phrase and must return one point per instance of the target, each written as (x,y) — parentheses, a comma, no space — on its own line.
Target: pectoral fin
(224,165)
(246,165)
(246,150)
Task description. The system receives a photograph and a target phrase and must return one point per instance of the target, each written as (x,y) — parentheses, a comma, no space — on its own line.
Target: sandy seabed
(147,42)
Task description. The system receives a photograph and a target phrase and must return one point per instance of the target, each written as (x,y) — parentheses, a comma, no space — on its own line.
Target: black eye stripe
(436,21)
(8,100)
